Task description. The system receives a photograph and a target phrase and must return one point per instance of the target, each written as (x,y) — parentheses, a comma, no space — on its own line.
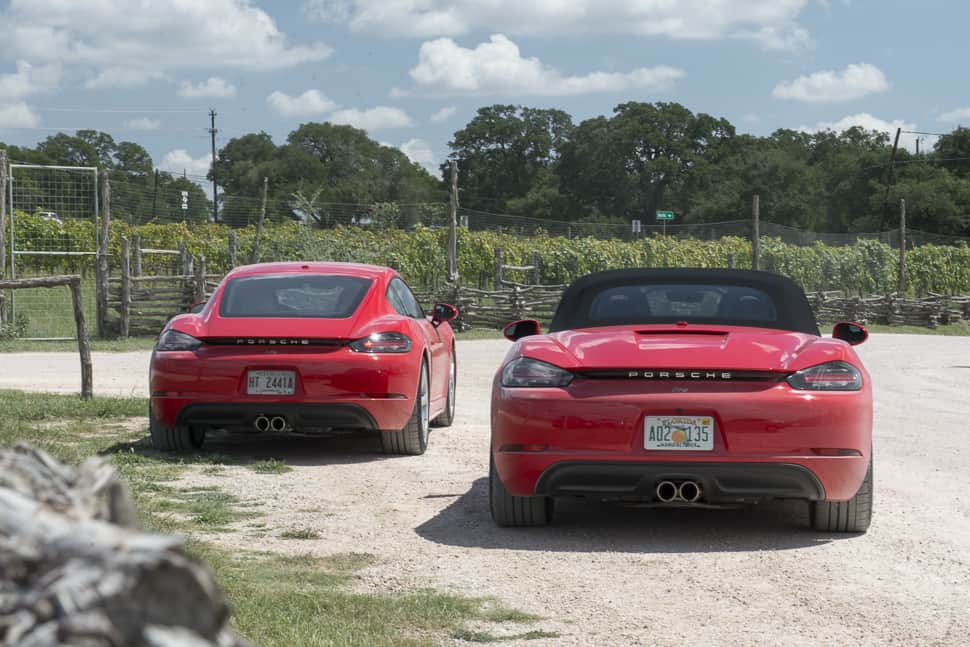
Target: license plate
(270,382)
(681,433)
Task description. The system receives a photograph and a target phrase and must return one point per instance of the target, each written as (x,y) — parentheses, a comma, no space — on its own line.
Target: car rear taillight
(529,372)
(382,342)
(831,376)
(173,340)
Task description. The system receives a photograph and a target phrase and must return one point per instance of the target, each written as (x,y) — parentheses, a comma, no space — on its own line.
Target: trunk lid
(694,347)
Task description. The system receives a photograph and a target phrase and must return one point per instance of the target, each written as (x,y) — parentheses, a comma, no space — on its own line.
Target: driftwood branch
(75,570)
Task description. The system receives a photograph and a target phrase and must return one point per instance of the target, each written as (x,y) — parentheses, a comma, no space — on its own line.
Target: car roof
(794,314)
(361,270)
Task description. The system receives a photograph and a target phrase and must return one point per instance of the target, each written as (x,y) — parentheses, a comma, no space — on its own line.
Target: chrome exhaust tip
(689,491)
(666,491)
(261,423)
(278,423)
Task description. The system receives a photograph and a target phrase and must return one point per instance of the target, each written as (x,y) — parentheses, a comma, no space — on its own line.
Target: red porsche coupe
(308,348)
(685,387)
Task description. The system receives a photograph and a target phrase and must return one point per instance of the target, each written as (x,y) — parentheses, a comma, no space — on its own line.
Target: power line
(119,110)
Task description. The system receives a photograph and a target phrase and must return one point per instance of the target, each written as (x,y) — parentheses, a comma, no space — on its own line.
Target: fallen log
(76,571)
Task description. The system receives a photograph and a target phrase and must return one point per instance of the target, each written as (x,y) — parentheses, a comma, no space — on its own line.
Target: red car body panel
(763,421)
(327,370)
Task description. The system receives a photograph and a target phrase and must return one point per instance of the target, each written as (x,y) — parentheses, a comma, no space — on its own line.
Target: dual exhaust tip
(264,423)
(685,491)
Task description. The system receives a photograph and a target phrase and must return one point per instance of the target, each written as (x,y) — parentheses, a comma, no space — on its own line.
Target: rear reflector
(835,451)
(524,448)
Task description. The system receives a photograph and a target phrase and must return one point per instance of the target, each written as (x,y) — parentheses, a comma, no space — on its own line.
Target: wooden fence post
(756,232)
(499,261)
(536,270)
(901,282)
(453,224)
(200,280)
(101,267)
(83,346)
(232,249)
(3,228)
(125,288)
(135,255)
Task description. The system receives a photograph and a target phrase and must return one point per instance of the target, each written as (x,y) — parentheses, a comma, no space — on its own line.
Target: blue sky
(412,72)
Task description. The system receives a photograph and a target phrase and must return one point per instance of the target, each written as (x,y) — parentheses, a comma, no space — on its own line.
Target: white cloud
(955,116)
(498,67)
(18,115)
(868,122)
(311,102)
(180,160)
(444,114)
(372,119)
(419,151)
(29,79)
(214,87)
(126,45)
(773,25)
(854,82)
(143,123)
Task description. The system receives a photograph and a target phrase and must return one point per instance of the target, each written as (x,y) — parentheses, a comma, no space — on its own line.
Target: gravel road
(609,575)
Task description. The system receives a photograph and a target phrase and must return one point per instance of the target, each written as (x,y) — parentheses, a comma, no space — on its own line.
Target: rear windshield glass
(293,295)
(636,304)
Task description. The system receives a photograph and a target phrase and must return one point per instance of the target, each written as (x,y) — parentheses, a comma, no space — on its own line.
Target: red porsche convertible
(682,387)
(309,348)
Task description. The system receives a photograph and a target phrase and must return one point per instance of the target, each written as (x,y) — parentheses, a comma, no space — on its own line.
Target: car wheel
(413,439)
(446,417)
(510,510)
(853,515)
(174,439)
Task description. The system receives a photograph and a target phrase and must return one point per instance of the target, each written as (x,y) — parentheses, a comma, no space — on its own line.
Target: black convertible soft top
(788,308)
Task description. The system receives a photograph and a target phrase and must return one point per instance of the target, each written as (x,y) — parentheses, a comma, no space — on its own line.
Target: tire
(853,515)
(174,439)
(446,417)
(413,439)
(511,511)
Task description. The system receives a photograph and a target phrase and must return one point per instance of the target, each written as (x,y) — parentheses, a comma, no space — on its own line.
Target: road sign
(185,200)
(635,226)
(665,215)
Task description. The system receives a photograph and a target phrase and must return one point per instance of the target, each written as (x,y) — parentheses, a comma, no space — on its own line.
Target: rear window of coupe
(644,304)
(293,295)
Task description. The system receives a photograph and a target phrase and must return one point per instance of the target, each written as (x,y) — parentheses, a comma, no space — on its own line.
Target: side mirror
(519,329)
(443,312)
(851,333)
(197,307)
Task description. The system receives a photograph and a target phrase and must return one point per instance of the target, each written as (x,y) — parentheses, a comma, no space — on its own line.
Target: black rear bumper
(308,418)
(720,482)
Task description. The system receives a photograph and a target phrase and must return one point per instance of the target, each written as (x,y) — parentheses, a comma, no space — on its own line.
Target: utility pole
(756,232)
(901,282)
(453,224)
(215,190)
(891,181)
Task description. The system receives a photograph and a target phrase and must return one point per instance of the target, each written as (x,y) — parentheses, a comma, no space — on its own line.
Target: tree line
(539,163)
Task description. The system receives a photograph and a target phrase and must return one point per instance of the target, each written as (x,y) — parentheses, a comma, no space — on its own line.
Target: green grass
(956,329)
(49,312)
(300,533)
(276,600)
(270,466)
(100,345)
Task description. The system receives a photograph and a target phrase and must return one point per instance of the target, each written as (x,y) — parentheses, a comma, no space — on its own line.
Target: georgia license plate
(690,433)
(270,382)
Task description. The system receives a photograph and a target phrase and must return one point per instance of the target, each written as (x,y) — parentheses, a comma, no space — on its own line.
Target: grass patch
(276,600)
(961,328)
(102,345)
(473,636)
(270,466)
(300,533)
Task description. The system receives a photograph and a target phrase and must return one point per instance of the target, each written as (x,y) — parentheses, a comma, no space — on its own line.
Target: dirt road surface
(608,575)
